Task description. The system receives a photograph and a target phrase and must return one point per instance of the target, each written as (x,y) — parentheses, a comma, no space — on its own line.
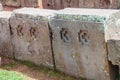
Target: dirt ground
(32,71)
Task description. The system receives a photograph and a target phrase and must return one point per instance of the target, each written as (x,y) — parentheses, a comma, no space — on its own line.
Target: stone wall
(71,40)
(60,4)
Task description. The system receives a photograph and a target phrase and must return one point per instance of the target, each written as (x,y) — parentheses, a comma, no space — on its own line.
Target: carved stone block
(79,42)
(5,37)
(30,36)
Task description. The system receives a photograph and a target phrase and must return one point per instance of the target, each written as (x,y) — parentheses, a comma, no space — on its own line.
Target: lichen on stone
(90,18)
(31,17)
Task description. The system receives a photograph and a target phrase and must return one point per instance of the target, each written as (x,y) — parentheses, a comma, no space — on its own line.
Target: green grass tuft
(11,75)
(27,63)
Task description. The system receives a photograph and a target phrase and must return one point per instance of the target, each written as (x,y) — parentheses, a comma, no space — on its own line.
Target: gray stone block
(5,37)
(30,36)
(113,39)
(114,50)
(79,42)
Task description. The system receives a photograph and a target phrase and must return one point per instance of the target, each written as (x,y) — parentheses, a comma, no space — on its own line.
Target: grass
(42,70)
(27,63)
(11,75)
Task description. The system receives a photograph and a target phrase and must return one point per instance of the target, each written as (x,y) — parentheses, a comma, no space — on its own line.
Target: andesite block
(6,48)
(79,42)
(30,35)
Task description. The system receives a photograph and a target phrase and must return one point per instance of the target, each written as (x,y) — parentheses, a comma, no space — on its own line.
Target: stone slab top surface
(5,14)
(86,11)
(115,36)
(35,12)
(84,14)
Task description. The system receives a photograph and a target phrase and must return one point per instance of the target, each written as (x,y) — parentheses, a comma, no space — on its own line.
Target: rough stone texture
(118,4)
(60,4)
(112,35)
(57,4)
(5,37)
(79,42)
(114,51)
(22,3)
(30,36)
(48,4)
(6,8)
(70,3)
(106,4)
(13,3)
(98,4)
(31,3)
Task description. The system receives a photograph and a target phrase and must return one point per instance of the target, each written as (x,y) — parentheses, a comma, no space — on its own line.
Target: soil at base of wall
(34,72)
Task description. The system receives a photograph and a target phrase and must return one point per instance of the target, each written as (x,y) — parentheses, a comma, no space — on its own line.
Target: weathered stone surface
(22,3)
(70,3)
(79,42)
(5,37)
(114,51)
(48,4)
(98,4)
(112,35)
(6,8)
(59,4)
(31,3)
(30,35)
(13,3)
(113,43)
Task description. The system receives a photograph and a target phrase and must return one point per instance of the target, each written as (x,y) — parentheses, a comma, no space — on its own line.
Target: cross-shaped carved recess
(83,37)
(19,30)
(65,36)
(33,32)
